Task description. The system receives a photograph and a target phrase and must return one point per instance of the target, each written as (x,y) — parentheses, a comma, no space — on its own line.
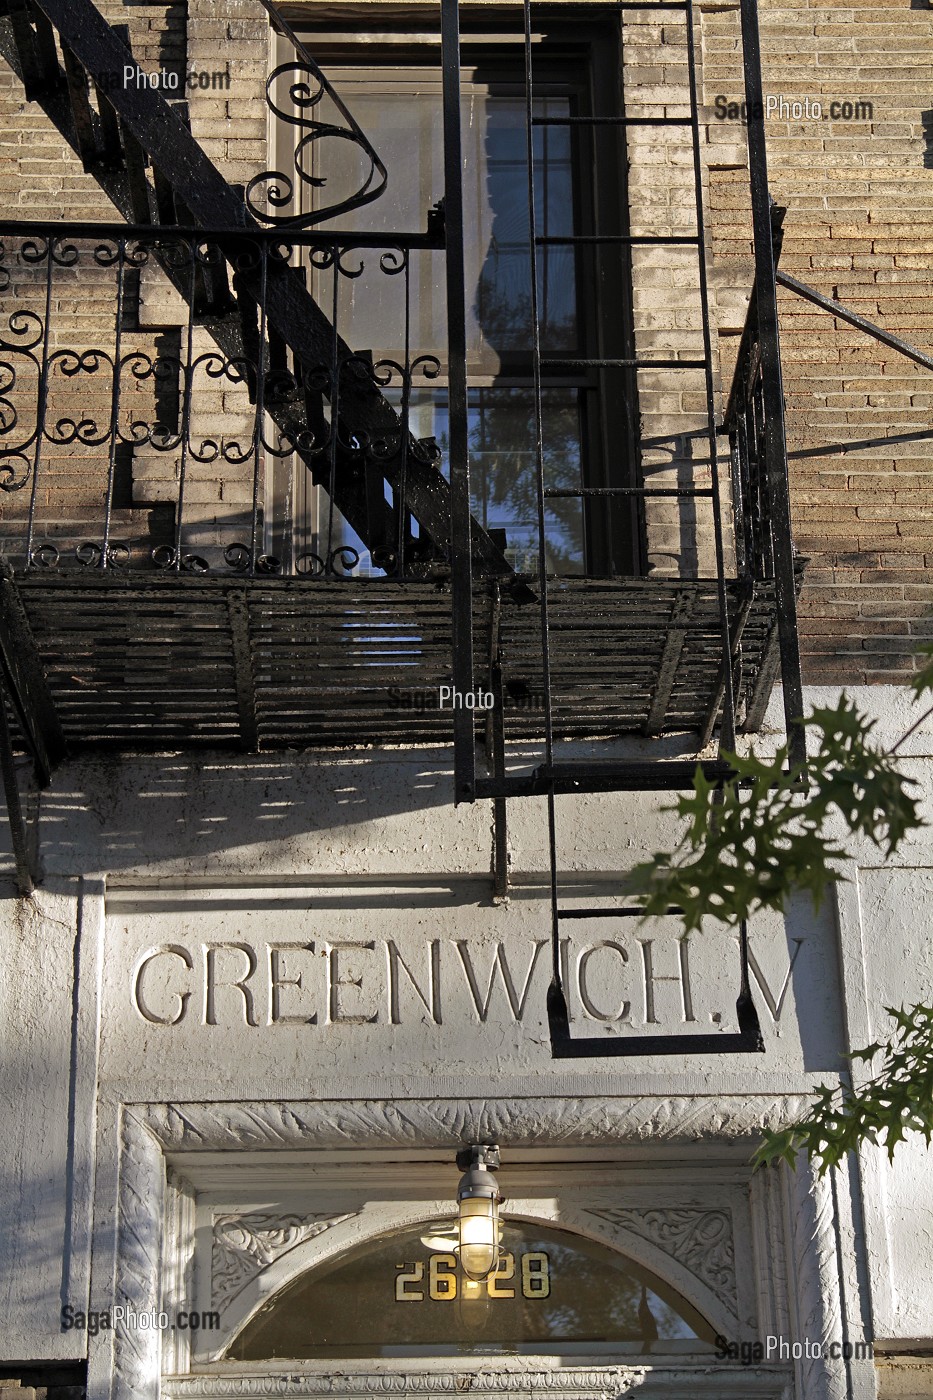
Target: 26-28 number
(443,1280)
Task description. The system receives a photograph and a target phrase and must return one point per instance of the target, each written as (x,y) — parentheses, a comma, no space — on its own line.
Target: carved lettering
(211,983)
(774,1006)
(336,1014)
(399,981)
(174,950)
(278,980)
(652,978)
(589,1006)
(431,1002)
(500,964)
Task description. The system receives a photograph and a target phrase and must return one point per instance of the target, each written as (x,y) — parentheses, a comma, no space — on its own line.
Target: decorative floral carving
(244,1245)
(151,1128)
(191,1127)
(701,1240)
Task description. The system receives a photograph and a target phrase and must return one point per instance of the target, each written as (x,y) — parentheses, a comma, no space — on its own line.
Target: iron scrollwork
(150,449)
(307,89)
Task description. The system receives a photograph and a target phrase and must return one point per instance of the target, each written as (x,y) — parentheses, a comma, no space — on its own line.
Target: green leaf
(750,843)
(897,1101)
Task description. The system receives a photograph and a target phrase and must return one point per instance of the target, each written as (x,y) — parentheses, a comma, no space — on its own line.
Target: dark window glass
(588,421)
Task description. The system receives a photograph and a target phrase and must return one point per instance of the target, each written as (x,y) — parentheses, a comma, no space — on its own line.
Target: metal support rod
(25,878)
(458,427)
(556,1000)
(773,390)
(835,308)
(746,1040)
(499,804)
(495,745)
(727,731)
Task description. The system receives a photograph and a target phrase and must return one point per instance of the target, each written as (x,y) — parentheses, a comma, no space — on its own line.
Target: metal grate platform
(149,664)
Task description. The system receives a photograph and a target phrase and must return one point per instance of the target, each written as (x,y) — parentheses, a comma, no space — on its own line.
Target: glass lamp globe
(478,1202)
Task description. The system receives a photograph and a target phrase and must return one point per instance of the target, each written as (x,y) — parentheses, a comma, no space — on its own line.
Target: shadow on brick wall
(927,120)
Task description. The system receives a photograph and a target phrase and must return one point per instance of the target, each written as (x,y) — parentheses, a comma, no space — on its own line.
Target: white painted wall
(299,847)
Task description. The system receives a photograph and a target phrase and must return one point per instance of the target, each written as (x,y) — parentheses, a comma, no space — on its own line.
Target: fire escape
(249,635)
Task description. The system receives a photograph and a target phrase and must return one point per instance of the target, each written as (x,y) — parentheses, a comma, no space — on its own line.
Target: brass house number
(533,1276)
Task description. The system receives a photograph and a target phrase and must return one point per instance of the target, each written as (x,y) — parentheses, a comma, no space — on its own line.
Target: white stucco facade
(252,996)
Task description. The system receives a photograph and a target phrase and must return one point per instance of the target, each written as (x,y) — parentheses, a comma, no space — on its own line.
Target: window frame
(353,41)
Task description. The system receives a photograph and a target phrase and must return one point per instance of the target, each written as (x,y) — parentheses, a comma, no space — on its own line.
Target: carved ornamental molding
(699,1239)
(198,1127)
(243,1245)
(126,1365)
(572,1382)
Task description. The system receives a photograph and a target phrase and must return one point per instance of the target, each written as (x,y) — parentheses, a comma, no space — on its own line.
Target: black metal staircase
(260,654)
(142,154)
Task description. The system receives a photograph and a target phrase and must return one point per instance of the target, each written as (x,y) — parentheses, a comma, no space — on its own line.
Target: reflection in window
(402,1295)
(401,101)
(502,470)
(404,107)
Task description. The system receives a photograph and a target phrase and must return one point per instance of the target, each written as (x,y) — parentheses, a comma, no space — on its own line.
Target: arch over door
(401,1295)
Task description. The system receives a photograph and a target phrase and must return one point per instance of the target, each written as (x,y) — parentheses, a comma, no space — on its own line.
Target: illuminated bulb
(478,1200)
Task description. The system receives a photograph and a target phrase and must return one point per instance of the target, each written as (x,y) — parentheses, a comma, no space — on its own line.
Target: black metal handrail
(745,424)
(86,391)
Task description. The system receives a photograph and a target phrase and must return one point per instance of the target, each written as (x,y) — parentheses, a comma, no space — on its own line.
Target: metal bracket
(483,1154)
(747,1039)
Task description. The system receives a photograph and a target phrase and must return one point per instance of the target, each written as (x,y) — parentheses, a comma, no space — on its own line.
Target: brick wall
(667,310)
(859,228)
(40,178)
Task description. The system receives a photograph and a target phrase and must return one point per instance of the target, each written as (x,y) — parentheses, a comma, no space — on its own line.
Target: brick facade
(859,227)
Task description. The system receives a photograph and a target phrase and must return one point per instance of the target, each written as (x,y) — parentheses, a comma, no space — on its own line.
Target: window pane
(403,1295)
(403,111)
(502,465)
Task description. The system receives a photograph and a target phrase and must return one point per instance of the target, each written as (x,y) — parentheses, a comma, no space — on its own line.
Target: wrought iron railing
(151,416)
(299,95)
(745,424)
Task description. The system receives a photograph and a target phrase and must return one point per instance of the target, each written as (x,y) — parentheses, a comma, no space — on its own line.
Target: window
(402,1295)
(391,83)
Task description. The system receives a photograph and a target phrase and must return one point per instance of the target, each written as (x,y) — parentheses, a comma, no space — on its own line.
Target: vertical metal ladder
(565,775)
